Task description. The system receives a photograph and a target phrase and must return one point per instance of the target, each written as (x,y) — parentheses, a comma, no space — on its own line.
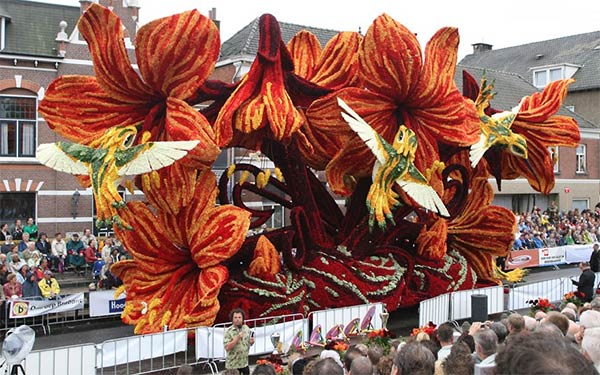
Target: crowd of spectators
(554,227)
(29,259)
(554,342)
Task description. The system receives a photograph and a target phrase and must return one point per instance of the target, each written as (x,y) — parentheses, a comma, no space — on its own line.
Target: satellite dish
(17,345)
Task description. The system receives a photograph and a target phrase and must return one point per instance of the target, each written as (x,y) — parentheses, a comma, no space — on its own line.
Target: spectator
(12,288)
(90,253)
(351,354)
(75,248)
(237,340)
(31,229)
(585,284)
(445,335)
(43,246)
(87,237)
(17,232)
(413,359)
(384,367)
(16,263)
(486,346)
(541,353)
(595,258)
(107,279)
(361,366)
(500,330)
(24,242)
(375,354)
(59,253)
(49,286)
(8,245)
(107,249)
(590,346)
(3,273)
(460,360)
(4,232)
(264,369)
(22,274)
(30,286)
(326,366)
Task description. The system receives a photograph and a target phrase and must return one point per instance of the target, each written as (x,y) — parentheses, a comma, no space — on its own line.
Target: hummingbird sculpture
(107,160)
(495,129)
(394,164)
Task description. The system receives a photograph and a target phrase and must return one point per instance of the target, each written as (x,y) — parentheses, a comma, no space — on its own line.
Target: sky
(502,23)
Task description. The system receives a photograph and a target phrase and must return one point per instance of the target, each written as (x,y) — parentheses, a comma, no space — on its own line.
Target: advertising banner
(552,256)
(28,308)
(103,302)
(523,259)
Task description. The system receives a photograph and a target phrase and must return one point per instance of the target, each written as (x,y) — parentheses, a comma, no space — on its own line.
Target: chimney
(212,14)
(62,38)
(481,47)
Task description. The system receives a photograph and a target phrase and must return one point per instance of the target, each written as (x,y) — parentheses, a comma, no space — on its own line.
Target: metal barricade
(210,348)
(144,353)
(34,321)
(460,301)
(67,360)
(435,310)
(553,289)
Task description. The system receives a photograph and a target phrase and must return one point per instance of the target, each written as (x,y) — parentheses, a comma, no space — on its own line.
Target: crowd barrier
(68,308)
(68,360)
(550,256)
(457,305)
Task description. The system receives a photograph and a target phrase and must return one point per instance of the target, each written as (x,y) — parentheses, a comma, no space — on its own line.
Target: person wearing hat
(49,286)
(75,248)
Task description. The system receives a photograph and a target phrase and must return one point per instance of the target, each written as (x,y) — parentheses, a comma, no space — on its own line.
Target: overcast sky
(502,23)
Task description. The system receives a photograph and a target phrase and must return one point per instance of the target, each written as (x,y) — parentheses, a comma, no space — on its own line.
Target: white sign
(27,308)
(104,303)
(552,255)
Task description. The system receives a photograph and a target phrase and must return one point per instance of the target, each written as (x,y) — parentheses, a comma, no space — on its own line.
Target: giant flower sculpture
(401,89)
(175,55)
(542,128)
(176,272)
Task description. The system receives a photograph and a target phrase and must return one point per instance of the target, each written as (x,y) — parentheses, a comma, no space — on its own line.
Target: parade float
(411,156)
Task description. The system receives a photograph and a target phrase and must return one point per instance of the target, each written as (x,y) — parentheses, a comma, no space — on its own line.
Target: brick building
(38,43)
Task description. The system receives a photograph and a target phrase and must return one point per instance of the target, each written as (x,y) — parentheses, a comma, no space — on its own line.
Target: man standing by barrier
(585,284)
(237,339)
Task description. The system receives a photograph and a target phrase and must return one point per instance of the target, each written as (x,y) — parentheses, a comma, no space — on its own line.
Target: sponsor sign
(551,256)
(28,308)
(104,302)
(523,259)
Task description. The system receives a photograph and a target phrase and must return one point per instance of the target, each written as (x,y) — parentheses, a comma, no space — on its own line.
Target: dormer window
(542,76)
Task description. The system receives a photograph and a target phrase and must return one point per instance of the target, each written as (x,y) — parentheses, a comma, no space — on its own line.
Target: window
(16,206)
(277,219)
(554,158)
(542,77)
(581,204)
(580,158)
(18,118)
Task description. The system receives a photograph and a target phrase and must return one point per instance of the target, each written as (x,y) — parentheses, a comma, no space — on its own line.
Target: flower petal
(183,123)
(337,66)
(217,234)
(539,106)
(390,59)
(305,50)
(148,232)
(103,31)
(176,54)
(166,196)
(431,242)
(482,231)
(77,108)
(266,262)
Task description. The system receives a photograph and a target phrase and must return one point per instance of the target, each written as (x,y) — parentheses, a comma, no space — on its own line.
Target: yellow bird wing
(156,155)
(53,156)
(418,188)
(364,131)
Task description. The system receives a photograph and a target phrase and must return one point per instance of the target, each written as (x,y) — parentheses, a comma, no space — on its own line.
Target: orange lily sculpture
(82,108)
(537,123)
(401,89)
(176,272)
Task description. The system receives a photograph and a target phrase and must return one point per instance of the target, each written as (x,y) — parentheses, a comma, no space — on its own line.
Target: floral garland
(540,304)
